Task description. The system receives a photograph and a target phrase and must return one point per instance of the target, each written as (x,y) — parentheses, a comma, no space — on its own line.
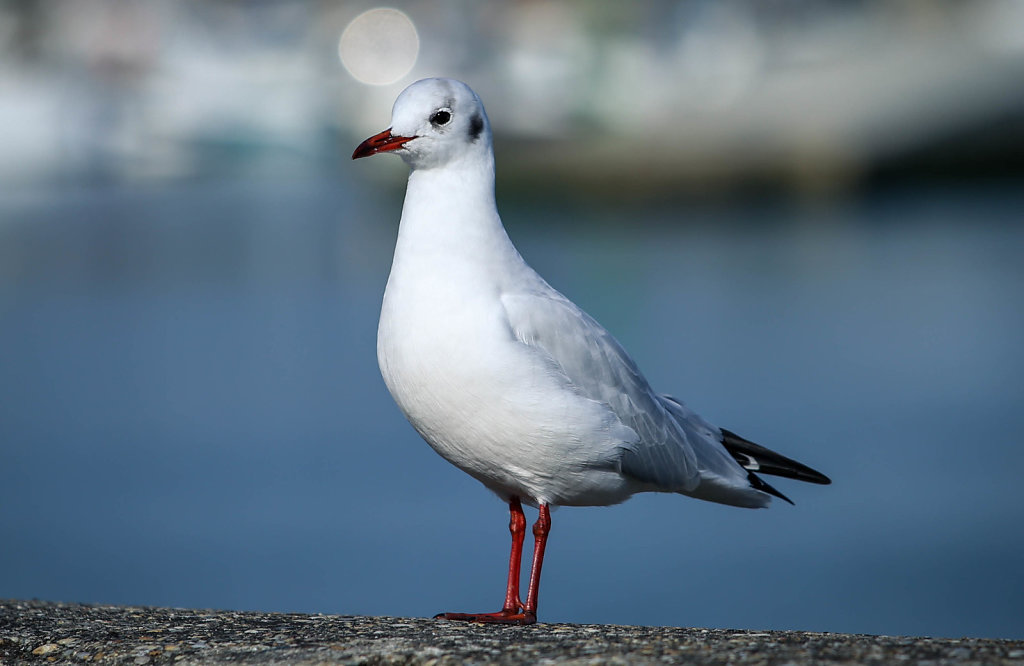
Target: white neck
(450,217)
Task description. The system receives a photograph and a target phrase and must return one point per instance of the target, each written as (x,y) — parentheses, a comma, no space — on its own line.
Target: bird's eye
(441,117)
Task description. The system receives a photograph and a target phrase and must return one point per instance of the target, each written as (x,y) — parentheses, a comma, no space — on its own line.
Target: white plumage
(500,373)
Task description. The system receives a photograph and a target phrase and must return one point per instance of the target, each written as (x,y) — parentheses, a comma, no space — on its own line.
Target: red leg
(514,611)
(517,527)
(540,541)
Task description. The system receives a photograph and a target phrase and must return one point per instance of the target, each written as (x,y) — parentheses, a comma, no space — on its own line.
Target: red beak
(379,143)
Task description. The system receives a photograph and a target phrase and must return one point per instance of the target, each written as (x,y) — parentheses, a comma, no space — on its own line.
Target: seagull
(509,380)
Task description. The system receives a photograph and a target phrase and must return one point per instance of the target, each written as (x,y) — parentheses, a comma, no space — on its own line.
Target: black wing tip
(809,475)
(821,479)
(754,457)
(757,483)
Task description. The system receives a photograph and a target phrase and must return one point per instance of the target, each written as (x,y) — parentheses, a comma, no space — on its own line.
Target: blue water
(191,414)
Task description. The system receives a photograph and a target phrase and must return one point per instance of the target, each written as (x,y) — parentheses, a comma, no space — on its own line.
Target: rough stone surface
(35,631)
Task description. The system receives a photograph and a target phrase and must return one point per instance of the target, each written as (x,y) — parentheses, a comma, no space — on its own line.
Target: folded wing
(667,455)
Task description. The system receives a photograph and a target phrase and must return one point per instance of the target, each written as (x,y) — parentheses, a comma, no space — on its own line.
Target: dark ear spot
(476,125)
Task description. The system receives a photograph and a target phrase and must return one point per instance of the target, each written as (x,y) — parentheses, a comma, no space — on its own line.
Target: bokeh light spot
(379,46)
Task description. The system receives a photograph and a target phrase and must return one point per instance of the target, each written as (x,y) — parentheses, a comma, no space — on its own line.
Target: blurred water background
(803,218)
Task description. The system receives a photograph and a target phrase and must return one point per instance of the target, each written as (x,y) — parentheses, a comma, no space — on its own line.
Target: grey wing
(714,459)
(595,364)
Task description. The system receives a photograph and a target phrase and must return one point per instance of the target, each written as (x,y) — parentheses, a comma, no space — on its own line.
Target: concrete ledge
(36,631)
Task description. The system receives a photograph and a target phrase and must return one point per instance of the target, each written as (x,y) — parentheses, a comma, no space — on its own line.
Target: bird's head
(434,122)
